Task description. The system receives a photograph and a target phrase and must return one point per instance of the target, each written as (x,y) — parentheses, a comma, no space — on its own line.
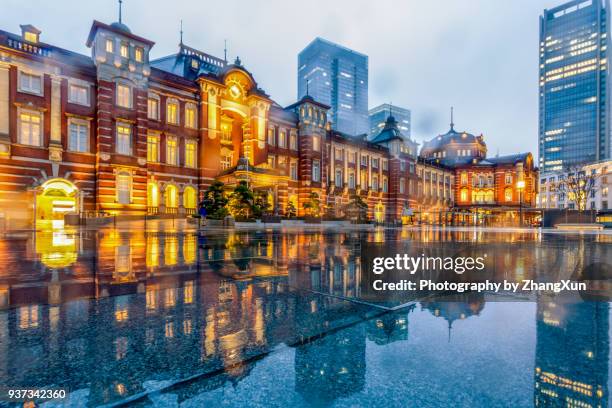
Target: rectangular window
(153,148)
(171,151)
(153,107)
(508,178)
(316,143)
(282,139)
(375,183)
(351,180)
(385,186)
(124,186)
(226,132)
(293,170)
(78,138)
(402,186)
(271,162)
(190,153)
(385,165)
(30,83)
(30,128)
(124,50)
(271,138)
(293,141)
(316,170)
(124,97)
(402,166)
(364,160)
(226,161)
(190,116)
(172,111)
(78,94)
(375,163)
(338,178)
(109,45)
(124,139)
(139,54)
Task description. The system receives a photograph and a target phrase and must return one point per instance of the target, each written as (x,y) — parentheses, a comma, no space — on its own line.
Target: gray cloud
(478,55)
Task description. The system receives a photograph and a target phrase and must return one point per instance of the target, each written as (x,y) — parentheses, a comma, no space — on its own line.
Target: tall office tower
(574,97)
(378,117)
(338,77)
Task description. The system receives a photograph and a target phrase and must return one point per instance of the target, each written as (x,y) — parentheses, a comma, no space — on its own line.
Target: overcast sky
(480,56)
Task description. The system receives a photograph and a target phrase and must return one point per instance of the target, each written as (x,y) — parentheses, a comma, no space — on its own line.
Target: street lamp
(520,185)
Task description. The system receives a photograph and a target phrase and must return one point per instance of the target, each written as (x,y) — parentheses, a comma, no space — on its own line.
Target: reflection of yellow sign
(57,248)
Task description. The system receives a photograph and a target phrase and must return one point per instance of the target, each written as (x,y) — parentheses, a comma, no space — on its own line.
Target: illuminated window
(402,186)
(282,139)
(124,50)
(508,194)
(171,196)
(123,259)
(30,37)
(190,116)
(139,54)
(316,143)
(464,194)
(152,290)
(316,170)
(78,94)
(189,197)
(226,161)
(190,153)
(171,150)
(124,138)
(30,83)
(153,148)
(293,141)
(508,178)
(78,136)
(464,177)
(271,137)
(172,109)
(30,123)
(124,96)
(109,45)
(226,132)
(153,107)
(124,187)
(152,195)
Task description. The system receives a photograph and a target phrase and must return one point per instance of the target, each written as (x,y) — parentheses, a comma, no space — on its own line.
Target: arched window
(464,194)
(189,197)
(152,195)
(508,194)
(124,187)
(171,196)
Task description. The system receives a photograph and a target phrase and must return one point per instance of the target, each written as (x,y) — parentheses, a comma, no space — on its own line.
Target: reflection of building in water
(332,366)
(455,307)
(572,353)
(389,327)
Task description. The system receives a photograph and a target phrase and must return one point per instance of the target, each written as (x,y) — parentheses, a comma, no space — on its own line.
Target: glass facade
(378,116)
(574,113)
(338,77)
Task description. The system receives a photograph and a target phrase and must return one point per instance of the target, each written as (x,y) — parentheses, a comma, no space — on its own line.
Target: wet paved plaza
(171,317)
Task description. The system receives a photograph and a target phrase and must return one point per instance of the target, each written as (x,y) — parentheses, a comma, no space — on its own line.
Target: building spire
(120,3)
(181,36)
(452,124)
(225,51)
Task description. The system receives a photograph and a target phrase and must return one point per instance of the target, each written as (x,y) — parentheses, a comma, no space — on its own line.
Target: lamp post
(520,185)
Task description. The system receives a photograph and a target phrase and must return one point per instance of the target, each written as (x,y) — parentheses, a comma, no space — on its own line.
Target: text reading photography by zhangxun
(318,204)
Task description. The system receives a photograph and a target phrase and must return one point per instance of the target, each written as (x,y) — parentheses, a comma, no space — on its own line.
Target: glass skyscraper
(338,77)
(574,125)
(378,118)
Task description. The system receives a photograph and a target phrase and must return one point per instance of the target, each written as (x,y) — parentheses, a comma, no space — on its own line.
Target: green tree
(241,201)
(313,205)
(357,208)
(215,201)
(261,204)
(290,210)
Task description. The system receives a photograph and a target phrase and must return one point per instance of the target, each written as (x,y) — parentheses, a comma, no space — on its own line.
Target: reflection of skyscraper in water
(572,353)
(331,367)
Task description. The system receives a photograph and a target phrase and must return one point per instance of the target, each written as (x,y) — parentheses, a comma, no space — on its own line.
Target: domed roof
(452,136)
(389,132)
(121,27)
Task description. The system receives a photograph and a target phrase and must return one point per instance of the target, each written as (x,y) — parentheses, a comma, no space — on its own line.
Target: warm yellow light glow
(520,184)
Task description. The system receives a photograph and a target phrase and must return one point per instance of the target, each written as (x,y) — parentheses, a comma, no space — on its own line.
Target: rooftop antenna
(307,83)
(181,43)
(120,3)
(225,50)
(452,124)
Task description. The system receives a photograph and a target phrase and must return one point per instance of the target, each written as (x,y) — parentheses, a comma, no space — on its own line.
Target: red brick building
(119,133)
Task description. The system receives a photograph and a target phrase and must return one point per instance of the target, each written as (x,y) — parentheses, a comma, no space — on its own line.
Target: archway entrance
(57,197)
